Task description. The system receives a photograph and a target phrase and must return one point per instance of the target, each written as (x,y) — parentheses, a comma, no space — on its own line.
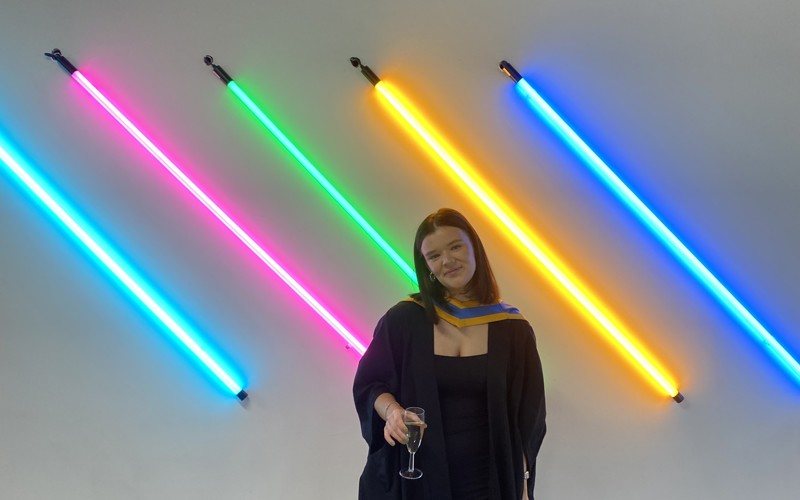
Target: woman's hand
(395,429)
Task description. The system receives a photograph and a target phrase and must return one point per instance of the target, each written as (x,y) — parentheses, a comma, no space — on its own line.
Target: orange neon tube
(482,194)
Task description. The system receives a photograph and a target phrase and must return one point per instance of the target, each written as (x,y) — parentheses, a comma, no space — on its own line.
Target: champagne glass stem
(411,463)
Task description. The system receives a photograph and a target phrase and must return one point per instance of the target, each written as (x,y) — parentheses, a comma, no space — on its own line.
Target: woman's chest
(449,340)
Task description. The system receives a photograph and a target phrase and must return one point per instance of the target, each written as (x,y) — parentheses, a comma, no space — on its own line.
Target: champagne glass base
(411,474)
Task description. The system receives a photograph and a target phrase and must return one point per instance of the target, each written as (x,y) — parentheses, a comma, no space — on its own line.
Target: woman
(470,361)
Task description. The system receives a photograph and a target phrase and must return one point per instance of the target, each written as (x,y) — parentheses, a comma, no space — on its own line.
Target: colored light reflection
(492,206)
(557,124)
(215,209)
(120,270)
(314,171)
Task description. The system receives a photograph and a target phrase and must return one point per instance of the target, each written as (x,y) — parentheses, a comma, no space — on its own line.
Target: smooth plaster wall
(694,103)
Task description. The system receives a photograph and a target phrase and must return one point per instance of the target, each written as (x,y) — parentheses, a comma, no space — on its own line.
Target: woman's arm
(390,410)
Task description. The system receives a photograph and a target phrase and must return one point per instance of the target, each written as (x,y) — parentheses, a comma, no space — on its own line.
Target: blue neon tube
(109,259)
(653,223)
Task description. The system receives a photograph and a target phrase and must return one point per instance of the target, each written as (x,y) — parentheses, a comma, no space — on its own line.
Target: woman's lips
(452,271)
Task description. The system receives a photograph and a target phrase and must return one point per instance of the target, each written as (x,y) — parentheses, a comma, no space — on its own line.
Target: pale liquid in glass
(414,436)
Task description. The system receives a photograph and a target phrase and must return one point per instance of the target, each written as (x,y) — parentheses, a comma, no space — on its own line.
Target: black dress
(400,361)
(465,423)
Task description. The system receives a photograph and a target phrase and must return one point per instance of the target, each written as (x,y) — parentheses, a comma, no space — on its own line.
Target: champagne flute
(414,420)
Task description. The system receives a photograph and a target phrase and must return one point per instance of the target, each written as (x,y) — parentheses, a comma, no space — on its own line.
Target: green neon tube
(311,169)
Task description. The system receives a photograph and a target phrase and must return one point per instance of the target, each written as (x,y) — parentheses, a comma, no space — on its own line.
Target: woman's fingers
(395,430)
(387,435)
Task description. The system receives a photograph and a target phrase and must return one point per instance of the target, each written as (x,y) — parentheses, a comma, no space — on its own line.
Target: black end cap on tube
(242,395)
(509,70)
(365,70)
(61,60)
(678,398)
(221,73)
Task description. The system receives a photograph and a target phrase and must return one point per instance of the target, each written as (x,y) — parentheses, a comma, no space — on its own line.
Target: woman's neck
(460,295)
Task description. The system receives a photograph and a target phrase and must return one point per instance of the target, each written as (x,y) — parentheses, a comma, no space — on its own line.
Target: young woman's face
(450,257)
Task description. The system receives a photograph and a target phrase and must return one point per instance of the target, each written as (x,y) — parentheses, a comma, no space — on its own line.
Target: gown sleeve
(377,373)
(532,407)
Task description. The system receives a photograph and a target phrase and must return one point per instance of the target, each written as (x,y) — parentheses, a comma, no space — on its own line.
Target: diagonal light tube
(118,269)
(311,169)
(524,238)
(215,209)
(652,222)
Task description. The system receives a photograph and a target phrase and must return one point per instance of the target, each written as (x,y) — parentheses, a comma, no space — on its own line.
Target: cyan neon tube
(652,222)
(207,202)
(116,267)
(311,169)
(523,238)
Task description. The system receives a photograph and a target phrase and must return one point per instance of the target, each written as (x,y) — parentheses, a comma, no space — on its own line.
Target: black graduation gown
(400,361)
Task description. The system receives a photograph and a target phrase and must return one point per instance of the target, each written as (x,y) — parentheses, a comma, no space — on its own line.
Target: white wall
(694,103)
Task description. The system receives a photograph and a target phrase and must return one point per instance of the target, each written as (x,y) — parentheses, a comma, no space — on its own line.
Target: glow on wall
(311,169)
(480,192)
(106,257)
(212,206)
(652,222)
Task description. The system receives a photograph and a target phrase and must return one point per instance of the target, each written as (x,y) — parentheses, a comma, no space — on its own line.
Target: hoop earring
(432,276)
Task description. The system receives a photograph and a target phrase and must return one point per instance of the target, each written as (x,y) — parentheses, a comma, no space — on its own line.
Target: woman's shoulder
(405,309)
(512,312)
(402,318)
(514,321)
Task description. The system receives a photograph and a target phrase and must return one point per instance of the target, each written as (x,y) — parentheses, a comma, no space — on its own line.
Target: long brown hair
(482,286)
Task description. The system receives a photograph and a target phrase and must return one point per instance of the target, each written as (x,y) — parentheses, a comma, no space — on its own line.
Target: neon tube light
(116,267)
(311,169)
(652,222)
(480,192)
(215,209)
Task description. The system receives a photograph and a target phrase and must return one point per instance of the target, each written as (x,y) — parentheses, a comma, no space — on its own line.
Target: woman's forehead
(442,236)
